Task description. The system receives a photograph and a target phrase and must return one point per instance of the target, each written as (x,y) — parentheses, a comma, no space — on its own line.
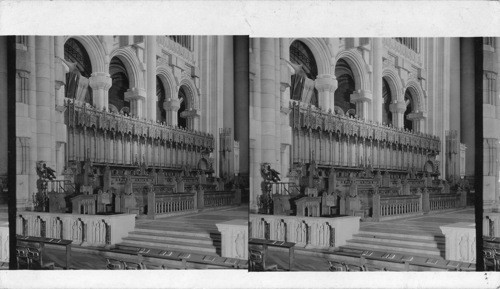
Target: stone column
(171,107)
(136,98)
(361,98)
(326,86)
(151,77)
(398,109)
(377,79)
(417,118)
(100,83)
(241,96)
(43,99)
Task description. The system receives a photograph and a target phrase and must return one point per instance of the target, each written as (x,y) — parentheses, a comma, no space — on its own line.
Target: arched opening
(408,124)
(74,52)
(346,86)
(301,55)
(181,119)
(161,114)
(120,84)
(386,98)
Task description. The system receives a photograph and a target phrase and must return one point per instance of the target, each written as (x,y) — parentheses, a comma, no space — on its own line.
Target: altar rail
(444,201)
(171,204)
(84,230)
(308,232)
(218,199)
(336,140)
(385,208)
(112,138)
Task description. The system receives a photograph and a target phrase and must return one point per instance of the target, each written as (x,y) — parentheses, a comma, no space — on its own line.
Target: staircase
(182,238)
(399,238)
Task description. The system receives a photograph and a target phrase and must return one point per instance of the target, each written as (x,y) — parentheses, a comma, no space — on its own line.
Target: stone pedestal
(4,242)
(460,242)
(234,239)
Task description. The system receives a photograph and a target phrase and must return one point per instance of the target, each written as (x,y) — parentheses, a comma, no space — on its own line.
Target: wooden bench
(43,241)
(281,244)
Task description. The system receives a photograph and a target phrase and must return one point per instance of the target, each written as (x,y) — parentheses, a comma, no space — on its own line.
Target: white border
(258,19)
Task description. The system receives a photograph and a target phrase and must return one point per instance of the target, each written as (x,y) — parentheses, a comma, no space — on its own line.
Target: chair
(371,267)
(129,265)
(337,266)
(35,260)
(114,264)
(22,258)
(257,262)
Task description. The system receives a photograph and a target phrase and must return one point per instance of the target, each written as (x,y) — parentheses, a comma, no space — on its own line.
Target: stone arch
(191,93)
(168,81)
(395,82)
(358,67)
(129,59)
(417,93)
(319,49)
(96,51)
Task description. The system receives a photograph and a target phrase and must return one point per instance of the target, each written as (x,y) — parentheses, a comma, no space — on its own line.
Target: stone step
(167,237)
(178,232)
(179,246)
(430,236)
(438,243)
(400,248)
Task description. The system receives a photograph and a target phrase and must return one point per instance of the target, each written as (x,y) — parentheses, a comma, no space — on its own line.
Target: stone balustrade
(84,230)
(336,140)
(445,201)
(112,138)
(4,242)
(171,204)
(219,198)
(308,232)
(386,208)
(460,242)
(234,239)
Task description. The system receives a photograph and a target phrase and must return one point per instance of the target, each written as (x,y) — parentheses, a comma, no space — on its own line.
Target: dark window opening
(300,54)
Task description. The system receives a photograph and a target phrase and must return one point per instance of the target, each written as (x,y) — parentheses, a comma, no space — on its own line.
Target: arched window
(300,54)
(161,114)
(386,97)
(120,84)
(181,120)
(408,124)
(74,52)
(346,87)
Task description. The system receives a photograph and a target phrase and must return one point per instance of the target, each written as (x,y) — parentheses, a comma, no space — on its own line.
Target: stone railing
(445,201)
(84,230)
(171,204)
(337,140)
(309,232)
(385,208)
(112,138)
(218,199)
(4,242)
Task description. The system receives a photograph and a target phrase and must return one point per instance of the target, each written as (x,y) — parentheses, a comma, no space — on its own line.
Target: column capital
(100,80)
(192,113)
(326,82)
(172,104)
(361,96)
(417,115)
(135,94)
(397,107)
